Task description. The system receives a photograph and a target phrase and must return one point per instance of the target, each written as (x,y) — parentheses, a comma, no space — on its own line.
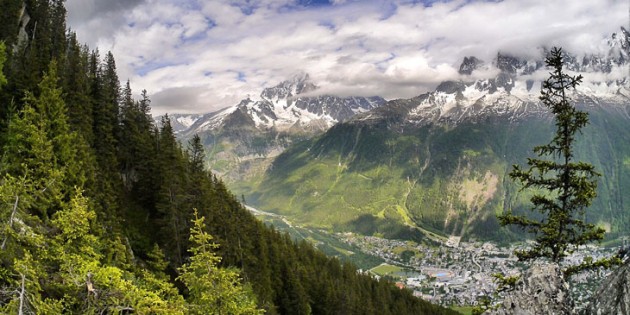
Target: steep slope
(439,161)
(242,139)
(97,220)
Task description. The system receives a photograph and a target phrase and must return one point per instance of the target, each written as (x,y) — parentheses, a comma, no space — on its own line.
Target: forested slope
(391,175)
(97,203)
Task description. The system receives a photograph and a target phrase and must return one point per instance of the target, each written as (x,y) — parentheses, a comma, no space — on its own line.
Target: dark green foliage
(96,205)
(77,88)
(105,95)
(3,59)
(40,146)
(564,188)
(9,15)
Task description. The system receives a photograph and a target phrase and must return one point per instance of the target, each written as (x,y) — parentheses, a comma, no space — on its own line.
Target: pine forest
(103,211)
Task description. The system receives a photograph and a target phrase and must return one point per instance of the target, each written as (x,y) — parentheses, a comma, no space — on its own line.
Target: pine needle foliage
(563,187)
(213,290)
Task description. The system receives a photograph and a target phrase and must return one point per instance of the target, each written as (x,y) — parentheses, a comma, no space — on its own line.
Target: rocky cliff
(541,290)
(613,295)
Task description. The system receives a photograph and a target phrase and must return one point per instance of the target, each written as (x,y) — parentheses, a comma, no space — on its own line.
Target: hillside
(366,177)
(104,212)
(243,139)
(438,162)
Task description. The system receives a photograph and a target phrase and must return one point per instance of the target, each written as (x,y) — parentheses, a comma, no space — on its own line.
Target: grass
(385,269)
(465,310)
(342,251)
(332,182)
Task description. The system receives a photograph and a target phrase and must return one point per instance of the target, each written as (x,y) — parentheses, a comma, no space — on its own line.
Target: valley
(435,164)
(308,157)
(442,270)
(386,183)
(410,189)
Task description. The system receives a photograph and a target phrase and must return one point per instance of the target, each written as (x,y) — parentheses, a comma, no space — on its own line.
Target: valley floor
(461,273)
(450,273)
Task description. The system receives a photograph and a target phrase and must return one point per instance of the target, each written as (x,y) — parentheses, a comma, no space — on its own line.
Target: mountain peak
(284,107)
(619,47)
(508,63)
(303,84)
(513,90)
(469,65)
(298,84)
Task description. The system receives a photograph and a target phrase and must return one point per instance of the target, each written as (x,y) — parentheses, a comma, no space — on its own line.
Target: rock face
(286,107)
(242,140)
(541,290)
(613,295)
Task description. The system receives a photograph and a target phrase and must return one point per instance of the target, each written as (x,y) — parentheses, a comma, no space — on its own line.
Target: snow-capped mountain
(513,92)
(440,161)
(243,139)
(284,108)
(180,122)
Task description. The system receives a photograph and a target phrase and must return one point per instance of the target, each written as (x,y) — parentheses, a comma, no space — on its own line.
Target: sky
(198,56)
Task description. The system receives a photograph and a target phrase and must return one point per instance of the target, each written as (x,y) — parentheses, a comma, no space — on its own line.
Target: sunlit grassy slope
(400,180)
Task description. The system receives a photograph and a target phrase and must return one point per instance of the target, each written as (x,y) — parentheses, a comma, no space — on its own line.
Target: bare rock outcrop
(541,290)
(613,295)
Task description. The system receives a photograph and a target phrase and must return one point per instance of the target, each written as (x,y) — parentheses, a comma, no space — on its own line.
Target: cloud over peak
(209,54)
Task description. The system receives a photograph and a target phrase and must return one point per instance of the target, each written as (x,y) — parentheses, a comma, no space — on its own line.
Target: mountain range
(435,163)
(243,138)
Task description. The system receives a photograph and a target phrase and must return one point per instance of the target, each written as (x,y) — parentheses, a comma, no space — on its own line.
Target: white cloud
(211,54)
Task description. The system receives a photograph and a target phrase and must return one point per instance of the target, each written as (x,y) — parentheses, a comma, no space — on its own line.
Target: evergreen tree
(105,95)
(87,286)
(213,290)
(563,187)
(137,149)
(196,155)
(57,22)
(3,59)
(4,105)
(9,15)
(172,199)
(76,89)
(40,147)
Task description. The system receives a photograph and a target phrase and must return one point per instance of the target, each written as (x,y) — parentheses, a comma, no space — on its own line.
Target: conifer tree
(39,147)
(77,89)
(196,154)
(563,187)
(172,198)
(3,59)
(105,94)
(5,104)
(137,149)
(10,15)
(86,284)
(213,290)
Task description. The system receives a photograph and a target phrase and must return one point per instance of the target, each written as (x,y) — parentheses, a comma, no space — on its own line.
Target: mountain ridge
(283,107)
(439,161)
(242,139)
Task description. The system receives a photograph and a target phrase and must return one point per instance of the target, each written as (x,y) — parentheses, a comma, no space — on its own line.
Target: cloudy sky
(202,55)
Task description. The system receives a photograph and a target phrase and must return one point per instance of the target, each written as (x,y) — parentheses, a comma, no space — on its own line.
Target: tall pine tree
(563,187)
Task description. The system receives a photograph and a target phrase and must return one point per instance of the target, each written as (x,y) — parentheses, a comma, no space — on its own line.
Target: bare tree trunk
(22,293)
(4,241)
